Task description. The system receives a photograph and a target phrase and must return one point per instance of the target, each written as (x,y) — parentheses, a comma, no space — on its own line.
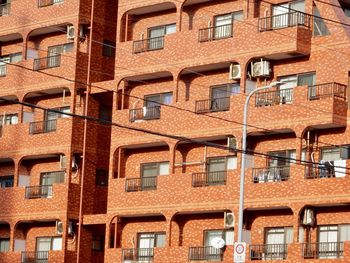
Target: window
(105,112)
(151,240)
(8,119)
(160,31)
(60,49)
(101,177)
(6,181)
(4,244)
(281,158)
(320,27)
(218,164)
(225,234)
(98,243)
(108,48)
(11,58)
(224,91)
(331,154)
(48,243)
(283,14)
(301,79)
(223,24)
(279,235)
(154,169)
(50,178)
(155,99)
(51,115)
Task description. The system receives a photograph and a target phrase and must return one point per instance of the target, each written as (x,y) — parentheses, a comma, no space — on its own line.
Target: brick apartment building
(161,183)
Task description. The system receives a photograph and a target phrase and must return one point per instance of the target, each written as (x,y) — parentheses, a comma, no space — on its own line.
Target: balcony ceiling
(152,9)
(6,160)
(144,145)
(149,76)
(11,37)
(46,92)
(193,2)
(38,157)
(47,30)
(208,67)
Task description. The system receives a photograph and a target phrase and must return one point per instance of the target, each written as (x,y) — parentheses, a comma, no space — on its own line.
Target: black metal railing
(47,62)
(145,113)
(138,254)
(3,70)
(205,253)
(271,174)
(5,9)
(141,184)
(268,252)
(321,170)
(276,97)
(148,44)
(290,19)
(215,33)
(332,89)
(209,178)
(43,3)
(323,250)
(41,191)
(212,105)
(42,126)
(35,257)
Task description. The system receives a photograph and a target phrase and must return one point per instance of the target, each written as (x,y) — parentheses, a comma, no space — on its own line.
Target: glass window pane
(289,235)
(320,27)
(307,79)
(344,232)
(4,244)
(156,32)
(149,170)
(43,243)
(216,164)
(57,243)
(167,98)
(164,168)
(210,235)
(223,20)
(275,236)
(231,163)
(16,57)
(234,88)
(290,82)
(331,154)
(229,237)
(298,5)
(170,29)
(160,242)
(152,100)
(237,16)
(219,92)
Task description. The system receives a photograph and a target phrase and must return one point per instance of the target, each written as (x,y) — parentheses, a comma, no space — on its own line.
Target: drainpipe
(85,134)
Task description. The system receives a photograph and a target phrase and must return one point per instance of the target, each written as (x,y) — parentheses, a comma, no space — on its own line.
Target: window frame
(101,173)
(160,27)
(220,157)
(155,237)
(298,75)
(5,178)
(226,14)
(223,233)
(158,168)
(51,241)
(58,115)
(7,240)
(288,155)
(8,117)
(266,229)
(63,46)
(161,98)
(228,91)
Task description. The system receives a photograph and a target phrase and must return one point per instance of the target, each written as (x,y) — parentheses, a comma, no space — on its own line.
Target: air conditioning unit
(308,217)
(229,220)
(235,71)
(70,32)
(63,162)
(260,69)
(231,144)
(59,227)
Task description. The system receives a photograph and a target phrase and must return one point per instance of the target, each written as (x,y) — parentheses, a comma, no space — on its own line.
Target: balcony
(145,113)
(323,250)
(137,254)
(271,98)
(209,179)
(43,3)
(271,174)
(291,19)
(3,70)
(149,44)
(205,253)
(5,9)
(268,252)
(42,191)
(42,127)
(47,62)
(212,105)
(327,90)
(322,170)
(35,257)
(141,184)
(215,33)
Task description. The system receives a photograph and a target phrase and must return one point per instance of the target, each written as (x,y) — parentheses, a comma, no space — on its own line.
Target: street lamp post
(244,148)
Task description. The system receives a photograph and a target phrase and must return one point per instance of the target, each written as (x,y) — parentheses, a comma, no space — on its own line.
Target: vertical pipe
(85,133)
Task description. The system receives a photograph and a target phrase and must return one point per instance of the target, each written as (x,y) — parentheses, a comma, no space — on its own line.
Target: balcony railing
(215,33)
(209,179)
(35,257)
(322,170)
(149,44)
(327,90)
(284,20)
(42,127)
(138,254)
(5,9)
(3,70)
(323,250)
(268,252)
(212,105)
(48,62)
(41,191)
(271,98)
(43,3)
(141,184)
(205,253)
(271,174)
(145,113)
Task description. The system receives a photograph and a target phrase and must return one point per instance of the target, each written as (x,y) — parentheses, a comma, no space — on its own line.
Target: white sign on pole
(239,252)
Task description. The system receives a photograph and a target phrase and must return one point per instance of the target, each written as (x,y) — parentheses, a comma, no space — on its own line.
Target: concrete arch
(47,92)
(59,27)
